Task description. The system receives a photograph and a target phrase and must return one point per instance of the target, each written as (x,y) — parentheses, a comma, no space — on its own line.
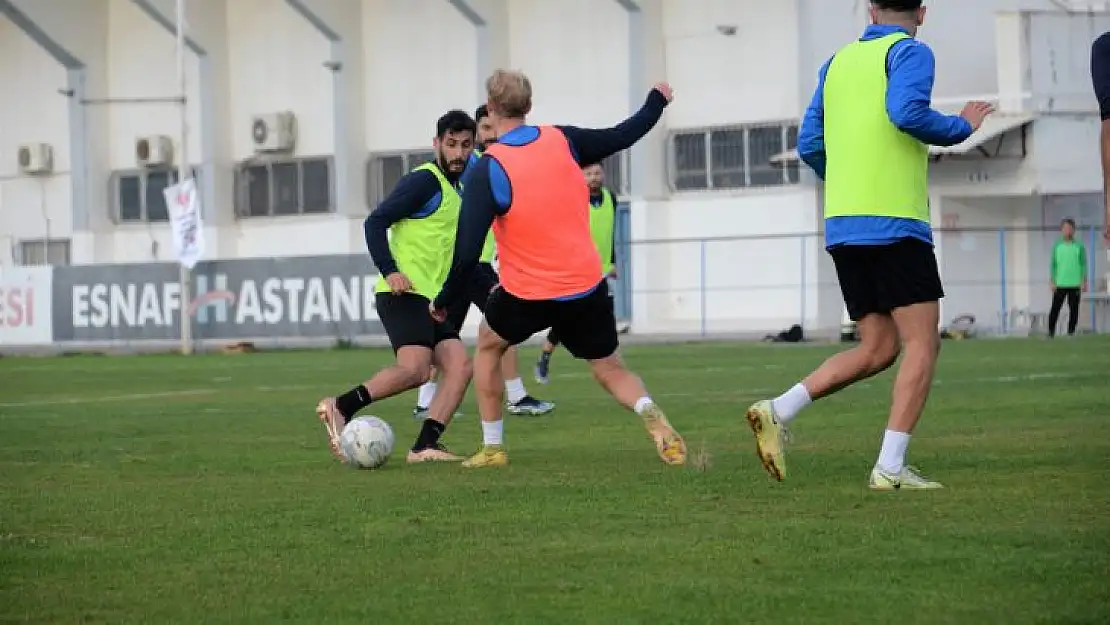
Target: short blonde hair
(509,93)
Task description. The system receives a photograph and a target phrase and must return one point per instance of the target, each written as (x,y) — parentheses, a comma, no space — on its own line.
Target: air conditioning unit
(274,132)
(154,151)
(36,158)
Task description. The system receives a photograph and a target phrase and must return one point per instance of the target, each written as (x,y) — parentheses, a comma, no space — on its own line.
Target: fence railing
(760,285)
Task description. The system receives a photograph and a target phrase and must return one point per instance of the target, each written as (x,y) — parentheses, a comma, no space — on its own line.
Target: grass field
(160,489)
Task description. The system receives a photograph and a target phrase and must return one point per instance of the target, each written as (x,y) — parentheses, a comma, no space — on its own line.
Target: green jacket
(1069,264)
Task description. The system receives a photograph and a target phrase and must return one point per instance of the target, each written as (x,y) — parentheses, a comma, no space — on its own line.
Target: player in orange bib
(529,186)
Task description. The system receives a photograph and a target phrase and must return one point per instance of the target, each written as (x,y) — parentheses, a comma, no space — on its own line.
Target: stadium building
(301,114)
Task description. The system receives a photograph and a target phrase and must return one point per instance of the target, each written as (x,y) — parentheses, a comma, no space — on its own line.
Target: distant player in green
(603,211)
(411,237)
(1069,277)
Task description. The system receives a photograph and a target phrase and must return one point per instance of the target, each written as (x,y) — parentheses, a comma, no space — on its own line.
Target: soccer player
(866,133)
(1100,77)
(421,216)
(481,284)
(603,211)
(1069,277)
(529,186)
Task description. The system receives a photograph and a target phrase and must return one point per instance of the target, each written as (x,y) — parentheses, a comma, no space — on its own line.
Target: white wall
(747,77)
(276,62)
(575,52)
(31,111)
(692,272)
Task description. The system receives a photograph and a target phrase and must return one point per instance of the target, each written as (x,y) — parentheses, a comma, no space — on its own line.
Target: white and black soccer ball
(366,442)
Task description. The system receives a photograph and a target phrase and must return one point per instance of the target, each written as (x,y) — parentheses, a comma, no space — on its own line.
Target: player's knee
(882,353)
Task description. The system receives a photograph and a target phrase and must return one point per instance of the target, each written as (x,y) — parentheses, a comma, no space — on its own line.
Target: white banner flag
(185,221)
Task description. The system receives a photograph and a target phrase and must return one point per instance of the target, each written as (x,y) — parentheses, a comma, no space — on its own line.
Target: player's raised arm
(592,146)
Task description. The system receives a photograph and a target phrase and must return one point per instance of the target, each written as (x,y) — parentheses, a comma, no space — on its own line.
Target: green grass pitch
(162,489)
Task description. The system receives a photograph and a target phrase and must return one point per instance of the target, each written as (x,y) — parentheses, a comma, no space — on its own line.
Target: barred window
(137,195)
(732,157)
(279,187)
(385,170)
(43,252)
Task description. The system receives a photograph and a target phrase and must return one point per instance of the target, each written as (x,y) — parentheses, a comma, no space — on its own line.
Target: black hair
(480,112)
(455,121)
(901,6)
(1069,221)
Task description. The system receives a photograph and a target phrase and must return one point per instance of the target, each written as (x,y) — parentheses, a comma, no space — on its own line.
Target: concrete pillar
(76,36)
(490,19)
(339,22)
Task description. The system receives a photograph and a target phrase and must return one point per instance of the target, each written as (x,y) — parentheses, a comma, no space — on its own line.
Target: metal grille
(137,195)
(53,252)
(384,171)
(285,187)
(733,157)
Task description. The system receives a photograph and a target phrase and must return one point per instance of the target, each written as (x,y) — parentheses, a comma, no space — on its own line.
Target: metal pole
(804,279)
(702,288)
(183,173)
(1002,276)
(1092,245)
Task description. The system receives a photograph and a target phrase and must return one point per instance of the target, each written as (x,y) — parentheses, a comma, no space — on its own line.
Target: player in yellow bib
(482,281)
(603,215)
(867,133)
(411,238)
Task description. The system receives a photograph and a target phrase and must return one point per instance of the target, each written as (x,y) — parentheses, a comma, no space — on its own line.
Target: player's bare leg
(917,328)
(627,388)
(877,350)
(451,360)
(489,387)
(412,369)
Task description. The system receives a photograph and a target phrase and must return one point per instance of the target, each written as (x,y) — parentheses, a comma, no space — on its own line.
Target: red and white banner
(26,308)
(186,222)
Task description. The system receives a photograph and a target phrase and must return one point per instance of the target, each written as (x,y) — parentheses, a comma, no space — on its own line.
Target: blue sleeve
(412,193)
(911,67)
(480,203)
(591,146)
(811,135)
(1100,73)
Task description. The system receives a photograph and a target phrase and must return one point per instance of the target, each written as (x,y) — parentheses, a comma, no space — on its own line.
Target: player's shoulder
(1102,44)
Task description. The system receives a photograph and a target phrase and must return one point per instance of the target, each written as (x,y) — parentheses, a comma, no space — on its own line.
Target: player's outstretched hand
(439,314)
(666,90)
(975,112)
(398,283)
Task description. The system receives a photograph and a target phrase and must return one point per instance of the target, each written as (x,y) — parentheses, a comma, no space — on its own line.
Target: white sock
(643,404)
(492,432)
(426,395)
(892,455)
(789,404)
(514,390)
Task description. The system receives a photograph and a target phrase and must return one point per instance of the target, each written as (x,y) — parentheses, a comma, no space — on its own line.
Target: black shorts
(407,321)
(482,281)
(585,325)
(882,278)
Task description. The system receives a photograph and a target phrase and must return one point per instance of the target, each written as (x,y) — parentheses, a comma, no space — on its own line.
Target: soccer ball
(366,442)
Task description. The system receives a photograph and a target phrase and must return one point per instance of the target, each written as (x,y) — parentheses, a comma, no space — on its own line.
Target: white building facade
(302,113)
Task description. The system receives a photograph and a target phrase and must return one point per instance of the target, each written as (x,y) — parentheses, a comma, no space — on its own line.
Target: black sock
(429,435)
(352,401)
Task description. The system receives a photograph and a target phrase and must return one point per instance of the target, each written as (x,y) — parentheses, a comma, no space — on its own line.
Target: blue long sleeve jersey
(487,192)
(416,195)
(911,72)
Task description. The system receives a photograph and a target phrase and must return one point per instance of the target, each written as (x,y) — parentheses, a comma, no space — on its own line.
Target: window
(137,196)
(385,170)
(44,252)
(284,187)
(734,157)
